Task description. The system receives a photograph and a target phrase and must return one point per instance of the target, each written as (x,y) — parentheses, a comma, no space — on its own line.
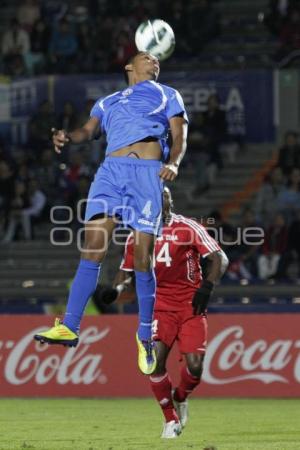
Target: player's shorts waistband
(133,161)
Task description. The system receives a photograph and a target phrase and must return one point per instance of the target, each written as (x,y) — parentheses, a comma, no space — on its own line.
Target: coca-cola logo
(234,355)
(227,352)
(76,365)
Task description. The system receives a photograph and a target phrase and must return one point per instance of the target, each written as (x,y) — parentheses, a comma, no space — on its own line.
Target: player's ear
(128,68)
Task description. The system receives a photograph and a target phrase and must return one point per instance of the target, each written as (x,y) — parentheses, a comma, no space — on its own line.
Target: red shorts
(190,331)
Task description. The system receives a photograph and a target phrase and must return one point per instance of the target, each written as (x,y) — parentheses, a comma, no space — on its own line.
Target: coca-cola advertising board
(247,355)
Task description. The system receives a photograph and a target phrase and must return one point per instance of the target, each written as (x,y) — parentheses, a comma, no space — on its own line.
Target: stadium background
(236,65)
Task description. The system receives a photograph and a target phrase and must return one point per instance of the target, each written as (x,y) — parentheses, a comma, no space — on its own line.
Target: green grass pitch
(135,424)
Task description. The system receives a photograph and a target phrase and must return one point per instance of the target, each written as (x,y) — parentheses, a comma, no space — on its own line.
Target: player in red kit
(182,296)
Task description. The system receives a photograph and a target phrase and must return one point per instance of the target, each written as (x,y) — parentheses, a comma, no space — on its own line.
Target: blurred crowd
(211,144)
(276,212)
(33,178)
(95,36)
(283,21)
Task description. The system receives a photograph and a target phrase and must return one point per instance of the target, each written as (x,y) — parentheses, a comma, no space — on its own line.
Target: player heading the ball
(127,187)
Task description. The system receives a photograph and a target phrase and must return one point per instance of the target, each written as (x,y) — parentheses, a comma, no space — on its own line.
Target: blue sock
(83,286)
(145,284)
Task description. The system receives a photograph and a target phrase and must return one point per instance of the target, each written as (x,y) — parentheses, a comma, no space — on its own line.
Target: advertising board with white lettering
(247,355)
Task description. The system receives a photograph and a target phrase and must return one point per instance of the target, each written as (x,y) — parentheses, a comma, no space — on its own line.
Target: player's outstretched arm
(218,264)
(79,136)
(178,128)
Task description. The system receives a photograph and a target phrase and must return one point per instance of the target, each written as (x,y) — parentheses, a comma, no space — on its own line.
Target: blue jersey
(139,111)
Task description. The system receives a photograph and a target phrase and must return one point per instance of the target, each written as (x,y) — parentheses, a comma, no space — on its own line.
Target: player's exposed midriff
(145,149)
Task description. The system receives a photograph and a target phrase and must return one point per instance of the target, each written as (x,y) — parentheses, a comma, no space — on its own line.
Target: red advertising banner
(247,355)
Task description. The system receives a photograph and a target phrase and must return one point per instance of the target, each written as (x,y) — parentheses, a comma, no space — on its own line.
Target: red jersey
(177,261)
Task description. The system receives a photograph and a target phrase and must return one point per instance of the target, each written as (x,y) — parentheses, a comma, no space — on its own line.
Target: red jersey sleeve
(203,242)
(127,262)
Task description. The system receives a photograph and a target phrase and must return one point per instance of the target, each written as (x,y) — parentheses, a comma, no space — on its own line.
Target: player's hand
(169,172)
(201,297)
(108,295)
(59,139)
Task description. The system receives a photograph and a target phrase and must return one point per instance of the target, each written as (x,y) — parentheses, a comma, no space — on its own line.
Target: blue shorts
(130,189)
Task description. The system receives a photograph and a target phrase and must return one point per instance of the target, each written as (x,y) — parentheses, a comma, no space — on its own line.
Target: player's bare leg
(145,289)
(98,234)
(162,389)
(162,353)
(194,363)
(190,378)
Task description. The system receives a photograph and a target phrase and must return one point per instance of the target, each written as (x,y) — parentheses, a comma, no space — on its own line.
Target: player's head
(167,203)
(141,66)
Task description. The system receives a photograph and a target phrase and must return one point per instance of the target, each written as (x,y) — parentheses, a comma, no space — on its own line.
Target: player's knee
(93,251)
(143,263)
(195,367)
(160,368)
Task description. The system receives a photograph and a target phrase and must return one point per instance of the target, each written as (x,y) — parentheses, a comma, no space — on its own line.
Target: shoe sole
(65,343)
(148,370)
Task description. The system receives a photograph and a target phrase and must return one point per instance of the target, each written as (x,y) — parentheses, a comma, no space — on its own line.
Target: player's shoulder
(187,222)
(169,90)
(185,219)
(174,96)
(101,101)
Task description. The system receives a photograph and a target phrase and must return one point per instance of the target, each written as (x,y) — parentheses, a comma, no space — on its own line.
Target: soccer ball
(156,37)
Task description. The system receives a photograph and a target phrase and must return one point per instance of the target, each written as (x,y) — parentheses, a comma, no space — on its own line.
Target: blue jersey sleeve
(175,105)
(97,110)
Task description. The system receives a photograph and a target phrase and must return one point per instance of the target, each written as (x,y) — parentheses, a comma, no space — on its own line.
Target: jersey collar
(172,216)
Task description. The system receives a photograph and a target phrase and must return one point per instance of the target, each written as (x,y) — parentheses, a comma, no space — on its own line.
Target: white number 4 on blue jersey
(147,209)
